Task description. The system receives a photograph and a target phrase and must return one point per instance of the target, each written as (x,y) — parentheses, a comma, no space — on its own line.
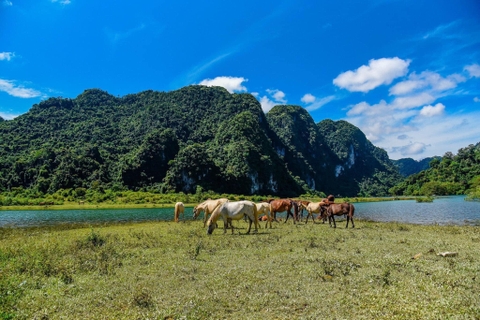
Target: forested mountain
(450,174)
(409,166)
(185,139)
(361,167)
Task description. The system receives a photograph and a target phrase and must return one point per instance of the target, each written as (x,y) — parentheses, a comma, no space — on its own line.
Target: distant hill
(181,140)
(409,166)
(447,175)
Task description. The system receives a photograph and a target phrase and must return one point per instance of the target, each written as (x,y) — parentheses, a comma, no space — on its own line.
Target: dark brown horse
(281,205)
(338,209)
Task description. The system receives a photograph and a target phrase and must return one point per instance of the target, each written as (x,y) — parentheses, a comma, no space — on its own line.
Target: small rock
(418,255)
(447,254)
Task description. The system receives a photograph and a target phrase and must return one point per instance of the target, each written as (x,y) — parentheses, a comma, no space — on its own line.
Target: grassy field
(167,270)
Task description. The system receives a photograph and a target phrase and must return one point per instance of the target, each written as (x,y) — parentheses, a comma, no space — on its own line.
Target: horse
(338,209)
(302,205)
(207,207)
(179,209)
(264,208)
(233,211)
(281,205)
(313,207)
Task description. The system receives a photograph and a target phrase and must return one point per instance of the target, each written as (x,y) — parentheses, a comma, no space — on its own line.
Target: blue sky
(406,72)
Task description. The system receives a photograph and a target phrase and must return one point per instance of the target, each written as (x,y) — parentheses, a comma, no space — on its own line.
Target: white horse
(233,211)
(264,208)
(179,209)
(207,207)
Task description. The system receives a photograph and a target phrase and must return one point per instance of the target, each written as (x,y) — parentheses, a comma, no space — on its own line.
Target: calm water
(445,210)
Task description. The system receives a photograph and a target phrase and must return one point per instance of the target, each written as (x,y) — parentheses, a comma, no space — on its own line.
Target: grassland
(167,270)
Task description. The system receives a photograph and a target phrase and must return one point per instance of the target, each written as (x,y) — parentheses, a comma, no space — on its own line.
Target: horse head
(196,213)
(211,226)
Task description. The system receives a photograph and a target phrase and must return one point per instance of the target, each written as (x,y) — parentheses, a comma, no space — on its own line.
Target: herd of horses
(266,211)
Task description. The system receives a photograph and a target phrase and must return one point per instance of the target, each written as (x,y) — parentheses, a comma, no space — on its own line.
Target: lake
(443,210)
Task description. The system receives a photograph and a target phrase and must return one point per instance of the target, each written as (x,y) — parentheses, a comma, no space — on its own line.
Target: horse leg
(255,221)
(334,223)
(249,223)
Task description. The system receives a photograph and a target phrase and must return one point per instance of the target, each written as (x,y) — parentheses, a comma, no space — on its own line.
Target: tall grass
(174,270)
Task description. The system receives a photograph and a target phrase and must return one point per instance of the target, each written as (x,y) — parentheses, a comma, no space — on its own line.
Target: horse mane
(215,214)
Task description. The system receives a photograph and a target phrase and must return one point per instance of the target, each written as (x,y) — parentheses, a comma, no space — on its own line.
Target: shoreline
(101,206)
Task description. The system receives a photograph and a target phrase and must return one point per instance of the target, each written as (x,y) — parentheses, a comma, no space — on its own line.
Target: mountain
(409,166)
(447,175)
(359,167)
(181,140)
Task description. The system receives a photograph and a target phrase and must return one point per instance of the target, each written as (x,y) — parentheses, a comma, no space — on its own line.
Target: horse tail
(175,216)
(351,211)
(295,210)
(255,212)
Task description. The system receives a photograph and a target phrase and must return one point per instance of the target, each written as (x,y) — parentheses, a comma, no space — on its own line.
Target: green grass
(172,270)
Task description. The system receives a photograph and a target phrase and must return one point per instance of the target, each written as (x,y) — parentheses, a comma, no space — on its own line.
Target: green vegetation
(424,199)
(174,270)
(449,175)
(363,168)
(197,136)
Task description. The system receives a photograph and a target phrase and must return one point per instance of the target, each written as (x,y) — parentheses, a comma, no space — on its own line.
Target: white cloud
(378,72)
(440,31)
(9,87)
(431,111)
(412,149)
(473,70)
(308,98)
(476,99)
(276,97)
(8,116)
(266,104)
(116,36)
(426,80)
(414,101)
(6,55)
(314,103)
(62,1)
(232,84)
(7,3)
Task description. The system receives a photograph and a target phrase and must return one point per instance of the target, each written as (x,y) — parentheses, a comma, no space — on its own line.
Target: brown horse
(338,209)
(281,205)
